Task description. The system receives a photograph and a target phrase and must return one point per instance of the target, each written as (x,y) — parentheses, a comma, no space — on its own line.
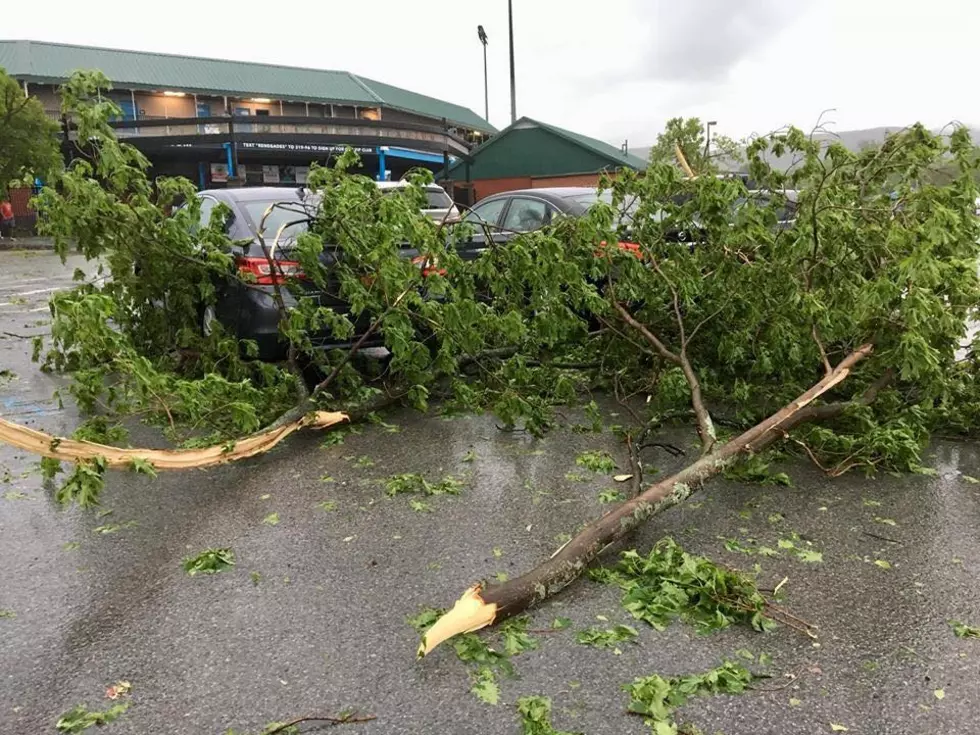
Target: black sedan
(248,310)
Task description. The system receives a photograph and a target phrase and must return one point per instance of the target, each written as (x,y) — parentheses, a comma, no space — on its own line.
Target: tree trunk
(478,608)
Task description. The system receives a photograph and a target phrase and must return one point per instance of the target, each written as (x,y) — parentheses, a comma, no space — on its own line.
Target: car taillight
(428,270)
(629,247)
(263,272)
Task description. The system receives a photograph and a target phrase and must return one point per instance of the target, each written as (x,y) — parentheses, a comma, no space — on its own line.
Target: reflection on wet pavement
(323,626)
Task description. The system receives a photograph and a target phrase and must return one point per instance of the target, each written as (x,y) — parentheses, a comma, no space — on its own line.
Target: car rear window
(289,213)
(436,198)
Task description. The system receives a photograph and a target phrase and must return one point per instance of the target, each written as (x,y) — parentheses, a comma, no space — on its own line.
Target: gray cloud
(700,40)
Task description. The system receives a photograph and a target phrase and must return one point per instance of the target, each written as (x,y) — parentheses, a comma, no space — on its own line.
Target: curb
(26,243)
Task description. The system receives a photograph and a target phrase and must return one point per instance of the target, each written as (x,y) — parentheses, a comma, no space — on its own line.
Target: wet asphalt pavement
(322,628)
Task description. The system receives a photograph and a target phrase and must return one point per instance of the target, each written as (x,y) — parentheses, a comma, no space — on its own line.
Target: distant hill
(641,151)
(853,140)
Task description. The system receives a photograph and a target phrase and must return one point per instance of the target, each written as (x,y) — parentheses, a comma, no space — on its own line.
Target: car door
(526,214)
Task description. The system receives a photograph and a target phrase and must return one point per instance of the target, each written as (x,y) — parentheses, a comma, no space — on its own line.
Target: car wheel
(208,318)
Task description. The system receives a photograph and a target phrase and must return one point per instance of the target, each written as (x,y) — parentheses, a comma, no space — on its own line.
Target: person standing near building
(6,219)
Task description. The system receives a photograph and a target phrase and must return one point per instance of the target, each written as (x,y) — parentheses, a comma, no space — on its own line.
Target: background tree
(29,144)
(689,133)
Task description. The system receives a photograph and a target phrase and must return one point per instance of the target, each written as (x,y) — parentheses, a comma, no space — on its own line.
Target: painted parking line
(40,290)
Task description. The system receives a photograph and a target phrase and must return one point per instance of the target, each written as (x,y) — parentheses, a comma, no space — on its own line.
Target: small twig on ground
(809,453)
(510,429)
(334,721)
(792,678)
(883,538)
(671,449)
(787,618)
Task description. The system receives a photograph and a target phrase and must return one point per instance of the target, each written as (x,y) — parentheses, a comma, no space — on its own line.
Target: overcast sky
(613,69)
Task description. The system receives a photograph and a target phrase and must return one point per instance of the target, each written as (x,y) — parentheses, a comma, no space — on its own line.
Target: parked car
(439,207)
(785,213)
(503,216)
(249,311)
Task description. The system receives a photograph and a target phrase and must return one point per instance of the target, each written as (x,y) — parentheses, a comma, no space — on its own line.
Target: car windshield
(288,213)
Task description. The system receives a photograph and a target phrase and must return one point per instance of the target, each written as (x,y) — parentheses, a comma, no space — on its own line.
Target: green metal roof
(36,61)
(598,147)
(532,148)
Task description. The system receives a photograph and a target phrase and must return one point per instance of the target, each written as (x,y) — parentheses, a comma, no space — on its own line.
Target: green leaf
(656,697)
(883,564)
(81,718)
(109,528)
(808,555)
(485,687)
(607,638)
(669,583)
(535,714)
(962,630)
(610,496)
(141,467)
(596,461)
(271,520)
(210,561)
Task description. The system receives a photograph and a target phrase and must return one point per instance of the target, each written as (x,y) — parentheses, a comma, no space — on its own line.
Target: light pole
(513,93)
(707,137)
(482,34)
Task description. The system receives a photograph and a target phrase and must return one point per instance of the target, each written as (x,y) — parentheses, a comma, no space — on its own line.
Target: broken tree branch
(706,429)
(479,607)
(828,368)
(74,450)
(649,336)
(682,160)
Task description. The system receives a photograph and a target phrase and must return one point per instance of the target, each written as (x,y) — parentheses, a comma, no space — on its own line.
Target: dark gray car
(248,310)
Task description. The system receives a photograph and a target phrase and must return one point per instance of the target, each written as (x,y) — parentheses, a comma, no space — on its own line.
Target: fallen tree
(823,314)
